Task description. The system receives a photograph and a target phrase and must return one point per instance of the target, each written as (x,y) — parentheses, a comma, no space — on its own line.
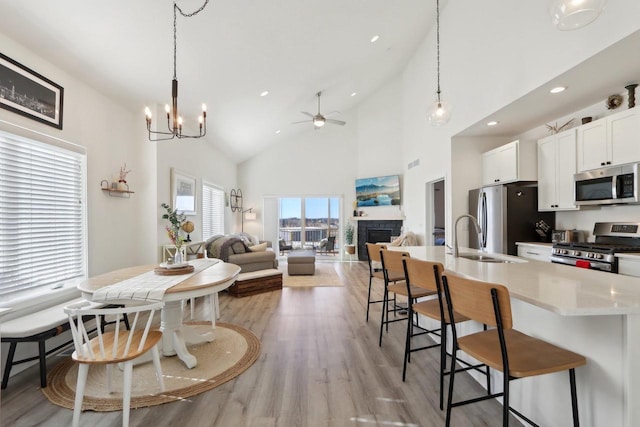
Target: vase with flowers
(176,219)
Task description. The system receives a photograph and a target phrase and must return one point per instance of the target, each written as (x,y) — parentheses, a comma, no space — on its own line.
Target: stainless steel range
(610,238)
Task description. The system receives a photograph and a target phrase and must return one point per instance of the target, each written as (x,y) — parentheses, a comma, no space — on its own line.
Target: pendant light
(573,14)
(174,120)
(439,112)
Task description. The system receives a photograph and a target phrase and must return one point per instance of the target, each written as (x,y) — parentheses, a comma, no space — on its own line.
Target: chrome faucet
(475,223)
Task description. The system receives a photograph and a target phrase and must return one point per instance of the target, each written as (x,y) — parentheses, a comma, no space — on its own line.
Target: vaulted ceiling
(227,55)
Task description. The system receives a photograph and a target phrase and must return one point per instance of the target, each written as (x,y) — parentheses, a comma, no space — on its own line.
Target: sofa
(246,251)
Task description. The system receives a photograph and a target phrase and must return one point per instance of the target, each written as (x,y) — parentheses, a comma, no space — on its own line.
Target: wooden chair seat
(395,277)
(153,337)
(416,292)
(431,309)
(378,274)
(528,356)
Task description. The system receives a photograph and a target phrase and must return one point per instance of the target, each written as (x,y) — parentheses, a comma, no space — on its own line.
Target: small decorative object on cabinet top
(614,101)
(556,129)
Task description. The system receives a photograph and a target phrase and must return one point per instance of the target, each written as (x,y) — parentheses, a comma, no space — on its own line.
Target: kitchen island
(594,313)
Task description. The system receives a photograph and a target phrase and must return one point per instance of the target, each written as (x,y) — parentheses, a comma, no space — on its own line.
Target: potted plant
(177,219)
(350,248)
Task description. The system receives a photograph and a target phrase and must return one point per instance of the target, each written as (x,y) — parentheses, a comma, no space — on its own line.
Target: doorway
(434,212)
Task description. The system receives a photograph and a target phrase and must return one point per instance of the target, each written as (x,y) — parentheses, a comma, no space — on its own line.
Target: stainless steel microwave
(607,186)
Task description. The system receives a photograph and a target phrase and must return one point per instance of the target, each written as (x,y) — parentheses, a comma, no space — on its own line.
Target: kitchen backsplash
(585,219)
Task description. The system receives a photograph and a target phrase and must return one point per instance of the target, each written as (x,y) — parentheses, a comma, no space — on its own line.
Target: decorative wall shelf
(114,192)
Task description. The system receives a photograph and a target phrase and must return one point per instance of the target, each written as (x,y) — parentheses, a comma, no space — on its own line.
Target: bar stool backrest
(477,300)
(424,274)
(373,256)
(392,262)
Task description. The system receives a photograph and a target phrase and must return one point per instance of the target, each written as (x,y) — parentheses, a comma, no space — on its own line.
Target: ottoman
(301,262)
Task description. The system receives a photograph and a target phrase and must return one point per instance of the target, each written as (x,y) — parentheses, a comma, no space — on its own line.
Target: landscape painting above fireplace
(378,191)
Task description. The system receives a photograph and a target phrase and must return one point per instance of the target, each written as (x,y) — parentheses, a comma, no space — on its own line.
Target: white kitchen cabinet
(611,140)
(629,265)
(515,161)
(556,166)
(535,251)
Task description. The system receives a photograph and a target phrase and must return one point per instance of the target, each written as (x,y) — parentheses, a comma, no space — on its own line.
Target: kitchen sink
(483,258)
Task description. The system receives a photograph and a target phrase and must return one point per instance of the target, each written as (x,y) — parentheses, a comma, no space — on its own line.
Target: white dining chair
(112,347)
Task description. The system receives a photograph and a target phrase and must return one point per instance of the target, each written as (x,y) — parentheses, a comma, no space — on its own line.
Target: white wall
(197,158)
(486,64)
(112,135)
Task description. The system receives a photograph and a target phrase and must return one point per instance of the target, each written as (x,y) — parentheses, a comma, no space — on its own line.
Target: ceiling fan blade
(306,114)
(332,113)
(302,121)
(336,122)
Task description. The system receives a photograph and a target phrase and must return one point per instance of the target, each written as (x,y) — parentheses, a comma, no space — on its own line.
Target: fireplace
(376,231)
(379,235)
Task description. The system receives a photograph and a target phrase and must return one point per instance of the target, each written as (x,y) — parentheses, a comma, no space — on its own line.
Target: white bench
(36,327)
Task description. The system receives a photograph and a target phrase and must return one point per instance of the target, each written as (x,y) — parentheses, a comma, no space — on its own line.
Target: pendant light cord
(438,43)
(175,42)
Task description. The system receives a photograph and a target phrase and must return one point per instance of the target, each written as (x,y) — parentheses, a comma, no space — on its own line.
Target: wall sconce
(235,200)
(249,215)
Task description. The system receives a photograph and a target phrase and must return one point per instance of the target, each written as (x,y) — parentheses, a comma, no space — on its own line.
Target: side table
(190,248)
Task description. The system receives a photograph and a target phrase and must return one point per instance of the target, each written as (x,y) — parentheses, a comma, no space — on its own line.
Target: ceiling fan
(319,120)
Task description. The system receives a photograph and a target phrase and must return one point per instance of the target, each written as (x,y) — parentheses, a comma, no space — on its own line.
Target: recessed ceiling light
(558,89)
(278,131)
(492,123)
(353,94)
(375,38)
(264,93)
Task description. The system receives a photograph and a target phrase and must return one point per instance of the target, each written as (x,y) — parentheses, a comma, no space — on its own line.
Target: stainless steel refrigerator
(507,214)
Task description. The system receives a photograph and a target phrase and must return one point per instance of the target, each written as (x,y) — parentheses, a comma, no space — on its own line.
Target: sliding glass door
(310,222)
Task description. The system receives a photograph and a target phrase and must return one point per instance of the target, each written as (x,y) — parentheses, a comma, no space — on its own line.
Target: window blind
(212,210)
(42,216)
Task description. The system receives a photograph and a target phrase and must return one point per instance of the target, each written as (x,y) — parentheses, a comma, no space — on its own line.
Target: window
(305,221)
(42,217)
(212,210)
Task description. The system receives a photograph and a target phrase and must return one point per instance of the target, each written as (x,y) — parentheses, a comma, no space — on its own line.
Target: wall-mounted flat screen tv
(378,191)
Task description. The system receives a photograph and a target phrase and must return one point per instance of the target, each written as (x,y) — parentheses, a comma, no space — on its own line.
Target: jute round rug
(232,352)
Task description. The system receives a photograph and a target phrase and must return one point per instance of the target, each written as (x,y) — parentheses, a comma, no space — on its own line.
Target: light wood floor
(320,365)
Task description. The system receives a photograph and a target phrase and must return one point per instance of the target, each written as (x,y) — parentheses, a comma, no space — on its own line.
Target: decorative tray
(163,271)
(165,265)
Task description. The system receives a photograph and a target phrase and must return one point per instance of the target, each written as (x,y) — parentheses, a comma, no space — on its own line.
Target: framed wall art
(30,94)
(183,192)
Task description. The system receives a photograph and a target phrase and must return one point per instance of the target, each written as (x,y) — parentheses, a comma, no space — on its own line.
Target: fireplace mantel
(377,218)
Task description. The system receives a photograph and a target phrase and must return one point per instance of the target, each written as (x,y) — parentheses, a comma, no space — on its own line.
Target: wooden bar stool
(375,269)
(427,275)
(515,354)
(393,268)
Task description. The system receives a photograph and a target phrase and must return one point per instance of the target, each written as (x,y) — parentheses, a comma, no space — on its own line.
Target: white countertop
(562,289)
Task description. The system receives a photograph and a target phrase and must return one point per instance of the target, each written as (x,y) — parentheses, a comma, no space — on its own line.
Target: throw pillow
(238,247)
(258,248)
